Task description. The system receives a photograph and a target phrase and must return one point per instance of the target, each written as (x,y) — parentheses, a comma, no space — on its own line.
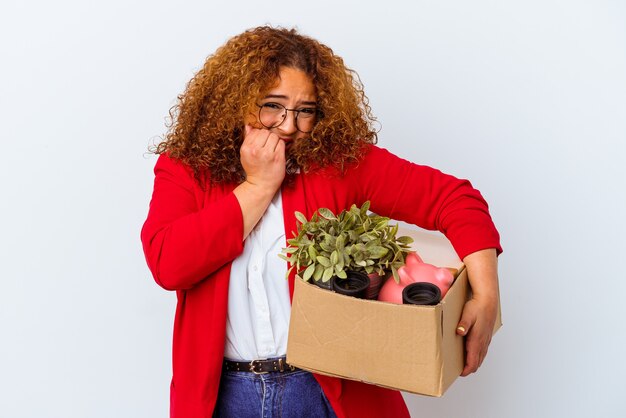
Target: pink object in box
(415,270)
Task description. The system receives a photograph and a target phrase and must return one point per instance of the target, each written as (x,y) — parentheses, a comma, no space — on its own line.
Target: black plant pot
(324,285)
(421,293)
(354,285)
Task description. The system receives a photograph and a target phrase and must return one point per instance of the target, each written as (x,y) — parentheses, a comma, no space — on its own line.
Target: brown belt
(259,366)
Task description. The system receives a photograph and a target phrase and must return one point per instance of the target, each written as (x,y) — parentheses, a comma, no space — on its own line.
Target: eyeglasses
(273,114)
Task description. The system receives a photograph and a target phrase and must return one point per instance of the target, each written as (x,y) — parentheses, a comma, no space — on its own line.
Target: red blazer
(192,235)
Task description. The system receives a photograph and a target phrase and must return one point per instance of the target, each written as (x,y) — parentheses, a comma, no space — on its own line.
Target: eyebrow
(282,96)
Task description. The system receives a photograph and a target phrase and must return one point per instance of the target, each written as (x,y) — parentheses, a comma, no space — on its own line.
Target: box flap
(453,347)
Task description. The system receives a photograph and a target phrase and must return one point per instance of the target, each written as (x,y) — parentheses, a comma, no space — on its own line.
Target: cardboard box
(406,347)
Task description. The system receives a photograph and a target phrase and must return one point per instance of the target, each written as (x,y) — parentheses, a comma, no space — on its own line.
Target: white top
(258,293)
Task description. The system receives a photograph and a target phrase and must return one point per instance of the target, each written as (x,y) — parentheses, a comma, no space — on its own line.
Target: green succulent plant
(328,245)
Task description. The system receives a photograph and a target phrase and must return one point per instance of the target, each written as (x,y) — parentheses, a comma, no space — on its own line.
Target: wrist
(260,189)
(487,307)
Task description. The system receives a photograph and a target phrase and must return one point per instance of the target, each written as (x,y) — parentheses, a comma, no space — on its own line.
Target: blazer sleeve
(428,198)
(184,243)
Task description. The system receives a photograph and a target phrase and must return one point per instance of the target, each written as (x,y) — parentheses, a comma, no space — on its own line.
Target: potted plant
(330,246)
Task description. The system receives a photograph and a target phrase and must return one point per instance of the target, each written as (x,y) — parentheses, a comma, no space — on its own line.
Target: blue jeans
(271,395)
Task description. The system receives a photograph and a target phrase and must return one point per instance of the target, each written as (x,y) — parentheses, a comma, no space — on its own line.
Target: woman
(273,123)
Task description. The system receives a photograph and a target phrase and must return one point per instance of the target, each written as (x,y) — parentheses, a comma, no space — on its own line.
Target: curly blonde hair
(207,123)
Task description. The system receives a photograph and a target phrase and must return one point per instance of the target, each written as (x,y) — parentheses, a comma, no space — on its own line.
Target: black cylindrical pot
(421,293)
(354,285)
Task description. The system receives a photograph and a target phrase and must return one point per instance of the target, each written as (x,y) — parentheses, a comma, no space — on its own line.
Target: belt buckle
(253,364)
(284,366)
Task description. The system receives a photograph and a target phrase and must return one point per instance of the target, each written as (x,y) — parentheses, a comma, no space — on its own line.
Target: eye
(308,111)
(273,106)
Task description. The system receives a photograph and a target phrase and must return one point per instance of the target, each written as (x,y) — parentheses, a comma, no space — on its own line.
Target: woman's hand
(480,312)
(262,156)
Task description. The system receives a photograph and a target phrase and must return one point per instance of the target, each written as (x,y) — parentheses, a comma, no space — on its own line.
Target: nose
(289,125)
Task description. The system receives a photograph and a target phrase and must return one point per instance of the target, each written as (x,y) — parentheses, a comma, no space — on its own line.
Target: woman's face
(294,90)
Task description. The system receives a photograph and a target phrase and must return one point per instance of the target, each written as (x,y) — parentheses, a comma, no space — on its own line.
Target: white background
(525,98)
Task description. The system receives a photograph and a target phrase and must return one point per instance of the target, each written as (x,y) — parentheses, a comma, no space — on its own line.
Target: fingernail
(461,329)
